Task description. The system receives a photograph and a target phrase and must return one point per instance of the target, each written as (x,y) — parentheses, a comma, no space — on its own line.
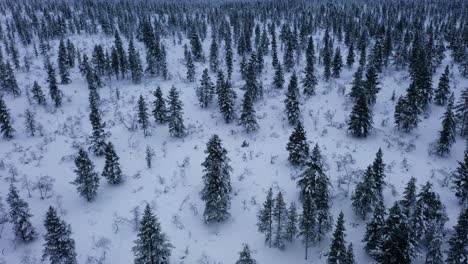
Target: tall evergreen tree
(461,110)
(190,68)
(364,195)
(408,203)
(134,63)
(265,218)
(112,171)
(38,95)
(378,172)
(458,242)
(175,112)
(152,245)
(54,91)
(327,55)
(59,247)
(214,63)
(360,120)
(310,81)
(460,181)
(298,147)
(278,79)
(338,253)
(19,216)
(63,64)
(8,80)
(370,85)
(98,136)
(357,84)
(374,230)
(442,93)
(307,224)
(30,123)
(291,225)
(217,190)
(197,49)
(5,120)
(205,90)
(337,63)
(292,101)
(245,256)
(448,132)
(87,180)
(143,118)
(350,56)
(406,111)
(159,107)
(350,255)
(226,99)
(248,119)
(280,218)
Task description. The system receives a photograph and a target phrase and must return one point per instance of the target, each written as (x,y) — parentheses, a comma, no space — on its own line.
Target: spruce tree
(357,84)
(374,230)
(197,49)
(280,218)
(8,80)
(292,101)
(143,118)
(98,136)
(38,95)
(461,110)
(152,245)
(59,247)
(226,99)
(406,114)
(265,218)
(190,68)
(19,216)
(54,91)
(448,132)
(217,190)
(364,195)
(71,53)
(442,92)
(5,120)
(309,81)
(370,85)
(338,253)
(460,181)
(87,180)
(175,112)
(327,56)
(288,56)
(350,56)
(248,119)
(159,107)
(435,239)
(214,63)
(337,63)
(245,256)
(360,120)
(30,123)
(121,55)
(350,255)
(298,147)
(291,225)
(397,245)
(408,203)
(307,223)
(205,90)
(378,172)
(134,63)
(62,62)
(112,171)
(278,79)
(458,242)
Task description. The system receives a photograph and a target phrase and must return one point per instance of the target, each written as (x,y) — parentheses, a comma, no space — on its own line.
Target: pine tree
(245,256)
(190,68)
(175,112)
(214,63)
(406,111)
(408,203)
(337,63)
(370,85)
(251,83)
(291,225)
(54,91)
(460,181)
(71,53)
(357,84)
(364,195)
(62,62)
(228,52)
(280,221)
(374,230)
(435,238)
(265,218)
(350,56)
(217,190)
(448,132)
(8,80)
(115,62)
(98,137)
(134,63)
(309,81)
(112,171)
(378,172)
(87,180)
(30,123)
(205,90)
(442,92)
(397,244)
(298,147)
(350,255)
(248,119)
(322,200)
(38,95)
(143,118)
(197,49)
(292,101)
(278,79)
(121,55)
(20,216)
(5,120)
(159,107)
(226,99)
(152,245)
(288,58)
(338,253)
(307,224)
(327,56)
(461,110)
(458,242)
(360,120)
(59,247)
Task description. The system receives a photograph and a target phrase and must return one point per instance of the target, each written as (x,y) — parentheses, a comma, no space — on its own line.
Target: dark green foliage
(291,225)
(460,181)
(63,63)
(59,247)
(337,63)
(112,171)
(298,147)
(143,118)
(217,190)
(278,79)
(134,63)
(38,95)
(350,56)
(280,221)
(265,218)
(360,120)
(461,110)
(54,91)
(175,112)
(19,216)
(30,123)
(338,253)
(292,101)
(248,119)
(245,256)
(152,245)
(308,223)
(406,113)
(310,80)
(159,107)
(205,91)
(5,120)
(458,242)
(442,92)
(364,195)
(448,132)
(374,230)
(190,68)
(87,180)
(226,98)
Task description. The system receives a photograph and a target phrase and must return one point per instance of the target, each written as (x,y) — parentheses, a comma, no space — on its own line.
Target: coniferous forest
(233,131)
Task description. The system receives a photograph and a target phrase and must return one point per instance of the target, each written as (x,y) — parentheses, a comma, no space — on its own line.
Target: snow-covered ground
(105,227)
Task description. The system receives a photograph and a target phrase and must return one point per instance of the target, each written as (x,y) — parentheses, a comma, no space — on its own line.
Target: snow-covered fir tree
(174,115)
(159,107)
(112,171)
(291,102)
(19,216)
(87,180)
